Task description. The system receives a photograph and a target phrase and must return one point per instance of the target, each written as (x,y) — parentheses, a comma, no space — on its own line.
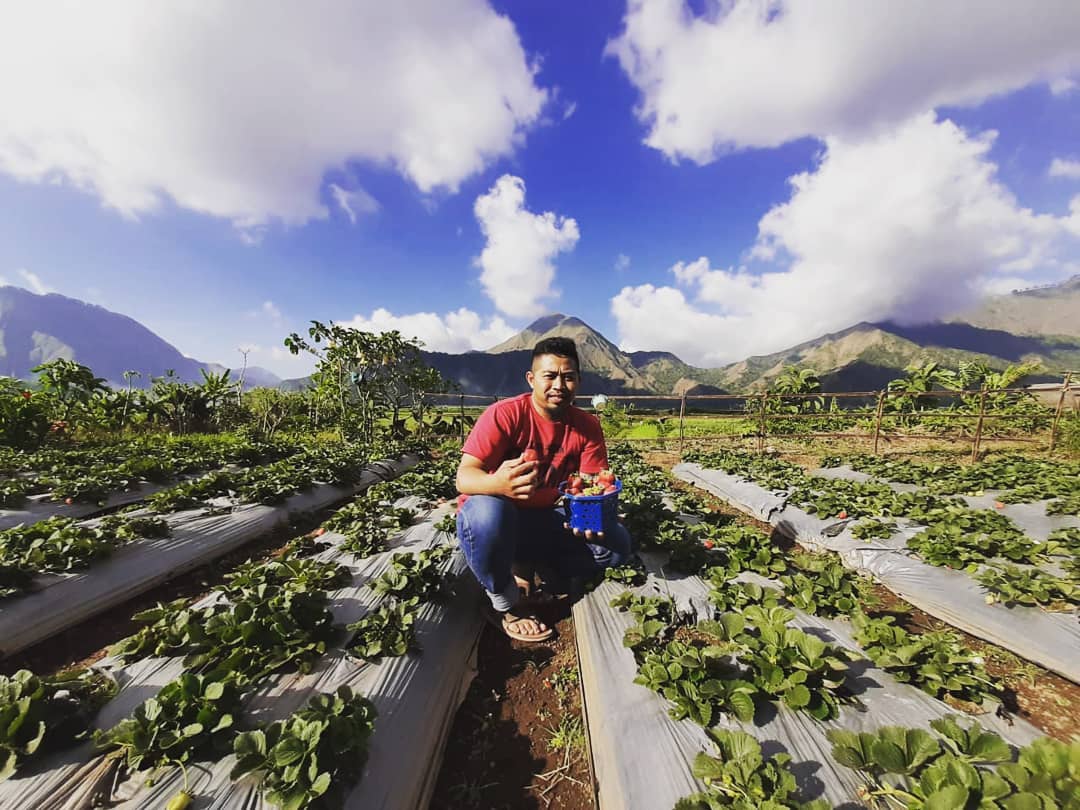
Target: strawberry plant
(319,748)
(790,665)
(735,596)
(13,491)
(959,538)
(1012,585)
(697,681)
(190,717)
(684,544)
(629,574)
(739,776)
(655,619)
(447,525)
(911,768)
(422,575)
(821,586)
(1065,505)
(873,528)
(389,630)
(359,523)
(1064,541)
(49,546)
(743,548)
(41,714)
(936,662)
(126,528)
(168,632)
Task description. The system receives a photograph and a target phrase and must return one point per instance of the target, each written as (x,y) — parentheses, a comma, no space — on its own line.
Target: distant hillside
(866,356)
(606,368)
(1053,310)
(1044,328)
(37,328)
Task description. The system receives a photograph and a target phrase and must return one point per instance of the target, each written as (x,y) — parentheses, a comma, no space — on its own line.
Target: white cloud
(353,202)
(1062,86)
(1060,167)
(455,332)
(517,263)
(268,310)
(910,225)
(34,282)
(622,263)
(752,73)
(238,109)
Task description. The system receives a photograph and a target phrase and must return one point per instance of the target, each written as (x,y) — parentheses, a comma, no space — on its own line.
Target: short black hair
(558,346)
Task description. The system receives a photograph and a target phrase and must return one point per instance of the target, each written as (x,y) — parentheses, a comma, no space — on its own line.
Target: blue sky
(714,180)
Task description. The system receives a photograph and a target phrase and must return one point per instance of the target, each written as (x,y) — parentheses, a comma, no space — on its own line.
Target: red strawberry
(709,544)
(843,514)
(530,455)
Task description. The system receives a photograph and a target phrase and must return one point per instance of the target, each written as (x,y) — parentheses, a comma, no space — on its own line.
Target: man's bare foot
(525,628)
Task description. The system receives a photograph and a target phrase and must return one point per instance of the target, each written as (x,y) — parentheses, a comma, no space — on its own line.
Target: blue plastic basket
(591,512)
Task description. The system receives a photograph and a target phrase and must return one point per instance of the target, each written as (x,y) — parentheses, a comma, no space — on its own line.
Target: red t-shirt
(507,428)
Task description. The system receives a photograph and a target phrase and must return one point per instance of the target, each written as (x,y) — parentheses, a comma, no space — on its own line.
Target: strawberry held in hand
(528,454)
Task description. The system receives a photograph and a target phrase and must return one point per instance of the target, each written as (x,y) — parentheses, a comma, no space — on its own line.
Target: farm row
(275,687)
(780,681)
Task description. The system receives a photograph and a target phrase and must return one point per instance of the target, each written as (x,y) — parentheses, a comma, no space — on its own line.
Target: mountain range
(1041,325)
(35,329)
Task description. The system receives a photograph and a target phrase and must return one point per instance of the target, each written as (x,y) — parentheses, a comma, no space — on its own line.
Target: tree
(920,380)
(800,382)
(366,375)
(271,408)
(68,387)
(180,404)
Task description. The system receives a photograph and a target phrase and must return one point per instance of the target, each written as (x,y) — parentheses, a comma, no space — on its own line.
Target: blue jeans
(495,534)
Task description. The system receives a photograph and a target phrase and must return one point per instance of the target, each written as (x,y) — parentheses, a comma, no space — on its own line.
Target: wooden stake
(1058,410)
(762,425)
(979,426)
(682,423)
(877,419)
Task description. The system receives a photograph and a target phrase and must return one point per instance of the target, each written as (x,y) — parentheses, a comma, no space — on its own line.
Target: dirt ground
(518,741)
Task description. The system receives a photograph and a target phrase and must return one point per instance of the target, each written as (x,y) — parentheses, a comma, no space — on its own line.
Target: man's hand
(588,534)
(518,478)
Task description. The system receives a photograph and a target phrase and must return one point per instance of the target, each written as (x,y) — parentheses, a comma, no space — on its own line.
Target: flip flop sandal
(502,621)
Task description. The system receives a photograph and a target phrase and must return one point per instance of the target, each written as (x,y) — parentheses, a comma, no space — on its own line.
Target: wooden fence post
(877,419)
(979,426)
(762,427)
(1058,410)
(461,409)
(682,423)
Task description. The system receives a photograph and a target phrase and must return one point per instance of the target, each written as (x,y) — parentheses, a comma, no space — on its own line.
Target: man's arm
(514,478)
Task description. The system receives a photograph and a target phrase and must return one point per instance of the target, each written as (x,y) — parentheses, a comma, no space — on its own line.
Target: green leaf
(1023,801)
(288,751)
(742,706)
(8,768)
(321,785)
(707,767)
(951,797)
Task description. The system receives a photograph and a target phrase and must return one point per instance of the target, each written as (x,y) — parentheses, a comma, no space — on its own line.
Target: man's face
(554,381)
